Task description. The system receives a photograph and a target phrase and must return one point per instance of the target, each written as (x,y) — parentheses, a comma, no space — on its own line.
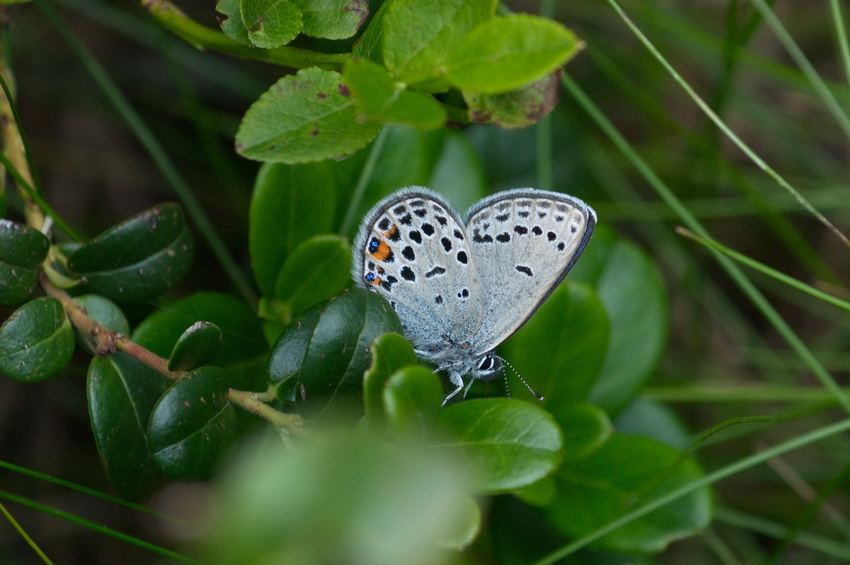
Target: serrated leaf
(412,398)
(321,357)
(332,19)
(22,250)
(619,271)
(104,312)
(304,117)
(317,270)
(418,35)
(517,108)
(382,99)
(289,204)
(243,352)
(230,20)
(193,426)
(36,341)
(139,258)
(198,345)
(562,348)
(270,23)
(507,53)
(511,443)
(121,392)
(390,353)
(614,479)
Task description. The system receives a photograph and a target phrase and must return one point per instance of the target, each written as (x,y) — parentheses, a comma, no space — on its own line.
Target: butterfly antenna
(536,394)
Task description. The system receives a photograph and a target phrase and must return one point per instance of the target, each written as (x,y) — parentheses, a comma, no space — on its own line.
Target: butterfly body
(461,286)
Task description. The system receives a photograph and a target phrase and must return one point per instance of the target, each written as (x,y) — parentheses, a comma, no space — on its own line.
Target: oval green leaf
(623,474)
(243,350)
(290,203)
(139,258)
(585,427)
(193,426)
(318,269)
(22,250)
(22,246)
(230,20)
(511,443)
(197,346)
(509,52)
(562,348)
(620,271)
(304,117)
(412,399)
(332,19)
(36,341)
(270,23)
(321,357)
(390,352)
(121,393)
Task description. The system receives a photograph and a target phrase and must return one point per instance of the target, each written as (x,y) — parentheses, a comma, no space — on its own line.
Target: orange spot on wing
(382,252)
(391,233)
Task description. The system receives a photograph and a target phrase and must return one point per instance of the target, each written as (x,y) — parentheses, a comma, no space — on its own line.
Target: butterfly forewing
(412,249)
(523,243)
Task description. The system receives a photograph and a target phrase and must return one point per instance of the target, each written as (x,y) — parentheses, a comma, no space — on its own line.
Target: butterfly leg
(456,380)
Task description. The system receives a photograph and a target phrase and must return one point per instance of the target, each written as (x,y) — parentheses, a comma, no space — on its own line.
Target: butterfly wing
(524,242)
(412,250)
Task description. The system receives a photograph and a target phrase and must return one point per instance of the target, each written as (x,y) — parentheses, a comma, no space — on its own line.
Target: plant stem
(103,341)
(174,20)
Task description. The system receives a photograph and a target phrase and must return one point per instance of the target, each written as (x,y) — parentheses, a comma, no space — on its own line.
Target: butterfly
(463,286)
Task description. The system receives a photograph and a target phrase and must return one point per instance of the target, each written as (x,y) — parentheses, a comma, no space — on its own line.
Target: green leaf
(507,53)
(318,269)
(22,250)
(193,426)
(368,45)
(614,480)
(650,418)
(289,204)
(458,172)
(562,348)
(270,23)
(458,535)
(413,156)
(517,108)
(585,427)
(381,99)
(230,20)
(620,271)
(511,443)
(418,35)
(121,393)
(197,346)
(36,341)
(346,500)
(139,258)
(390,353)
(104,312)
(332,19)
(304,117)
(243,350)
(412,399)
(321,357)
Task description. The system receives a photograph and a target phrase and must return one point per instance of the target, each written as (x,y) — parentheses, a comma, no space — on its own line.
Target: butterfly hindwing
(412,250)
(524,242)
